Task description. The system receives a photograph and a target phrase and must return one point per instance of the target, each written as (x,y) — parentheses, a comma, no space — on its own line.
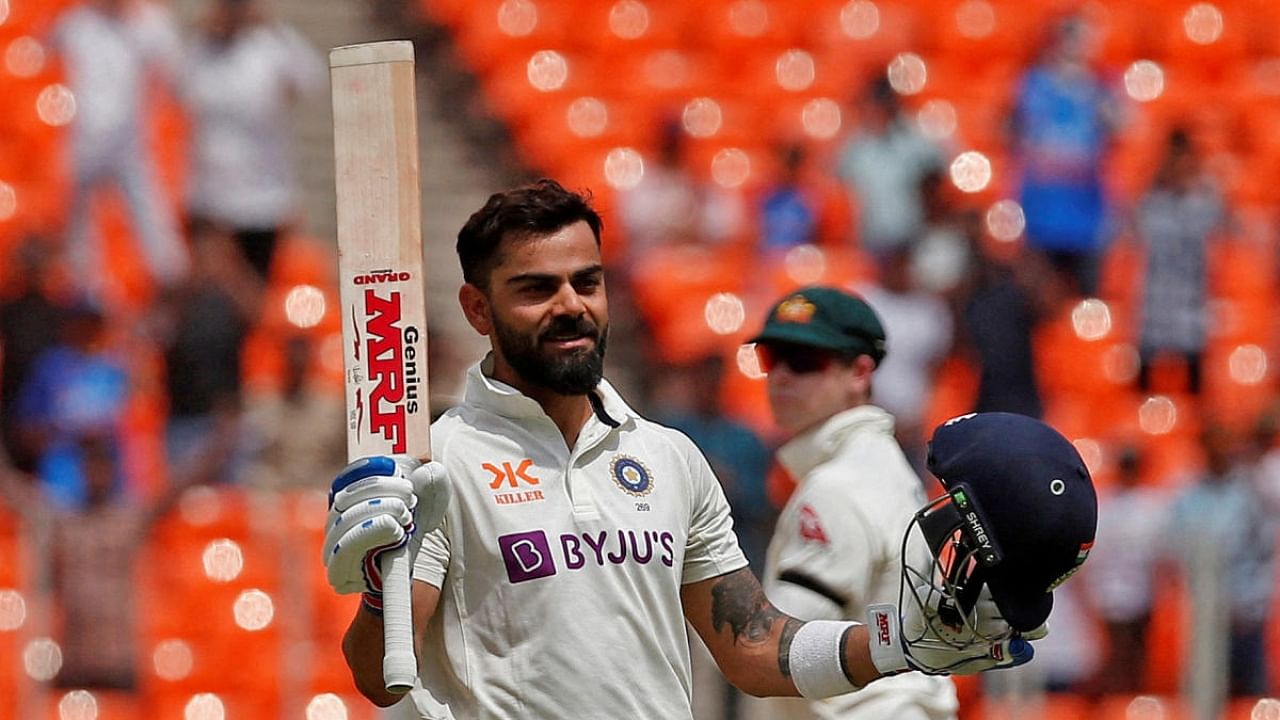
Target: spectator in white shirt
(242,77)
(111,50)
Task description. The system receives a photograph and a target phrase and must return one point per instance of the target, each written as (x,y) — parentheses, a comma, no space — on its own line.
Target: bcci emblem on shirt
(631,475)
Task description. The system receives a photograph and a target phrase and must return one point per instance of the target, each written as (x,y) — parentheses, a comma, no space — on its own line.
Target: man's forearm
(363,647)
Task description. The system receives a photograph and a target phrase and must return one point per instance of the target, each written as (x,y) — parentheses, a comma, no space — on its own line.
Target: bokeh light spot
(749,362)
(547,70)
(1144,80)
(907,73)
(724,313)
(702,117)
(629,19)
(253,610)
(749,18)
(304,306)
(805,264)
(222,560)
(24,57)
(42,659)
(1247,365)
(795,70)
(78,705)
(1157,416)
(730,168)
(860,19)
(971,171)
(13,610)
(517,18)
(56,105)
(326,706)
(172,659)
(1006,220)
(1203,23)
(821,118)
(587,117)
(623,168)
(204,706)
(937,119)
(1091,319)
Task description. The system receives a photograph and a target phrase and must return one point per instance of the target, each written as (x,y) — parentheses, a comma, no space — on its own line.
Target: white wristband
(883,626)
(817,663)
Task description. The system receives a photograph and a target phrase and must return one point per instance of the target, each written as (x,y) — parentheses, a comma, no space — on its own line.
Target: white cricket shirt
(560,569)
(837,548)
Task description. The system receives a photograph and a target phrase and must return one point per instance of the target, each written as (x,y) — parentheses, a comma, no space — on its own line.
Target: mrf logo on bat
(390,350)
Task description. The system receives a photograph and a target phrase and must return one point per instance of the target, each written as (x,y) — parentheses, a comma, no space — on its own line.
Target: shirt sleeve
(712,547)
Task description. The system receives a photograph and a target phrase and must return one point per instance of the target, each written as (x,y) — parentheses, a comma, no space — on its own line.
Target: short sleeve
(712,547)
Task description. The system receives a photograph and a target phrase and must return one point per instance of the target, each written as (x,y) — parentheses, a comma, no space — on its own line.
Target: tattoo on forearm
(738,602)
(784,645)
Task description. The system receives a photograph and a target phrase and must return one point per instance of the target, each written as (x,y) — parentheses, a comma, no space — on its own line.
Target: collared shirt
(560,568)
(837,547)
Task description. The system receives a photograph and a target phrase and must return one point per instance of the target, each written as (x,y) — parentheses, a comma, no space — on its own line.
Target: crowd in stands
(1046,240)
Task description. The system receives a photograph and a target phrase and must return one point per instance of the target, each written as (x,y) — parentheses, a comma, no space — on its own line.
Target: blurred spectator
(202,329)
(69,411)
(1001,307)
(795,209)
(687,398)
(942,255)
(1265,457)
(241,81)
(1175,222)
(93,550)
(882,165)
(1063,117)
(111,50)
(919,326)
(670,206)
(31,319)
(1120,580)
(298,427)
(1219,529)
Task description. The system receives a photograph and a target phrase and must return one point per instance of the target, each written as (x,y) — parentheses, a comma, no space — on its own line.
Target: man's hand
(921,640)
(377,504)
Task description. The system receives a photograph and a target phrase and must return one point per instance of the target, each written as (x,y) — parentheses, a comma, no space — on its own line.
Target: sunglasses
(800,359)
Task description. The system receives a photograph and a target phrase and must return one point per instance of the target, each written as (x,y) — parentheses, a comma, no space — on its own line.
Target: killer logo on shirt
(509,478)
(631,475)
(811,526)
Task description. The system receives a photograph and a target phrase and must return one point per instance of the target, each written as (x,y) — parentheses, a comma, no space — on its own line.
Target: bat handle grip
(399,664)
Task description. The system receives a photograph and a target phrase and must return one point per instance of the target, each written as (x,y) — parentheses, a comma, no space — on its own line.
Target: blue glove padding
(378,504)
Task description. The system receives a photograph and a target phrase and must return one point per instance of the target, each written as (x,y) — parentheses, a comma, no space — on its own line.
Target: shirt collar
(815,446)
(483,391)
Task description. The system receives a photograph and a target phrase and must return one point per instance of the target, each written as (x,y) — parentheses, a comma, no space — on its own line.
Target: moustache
(570,327)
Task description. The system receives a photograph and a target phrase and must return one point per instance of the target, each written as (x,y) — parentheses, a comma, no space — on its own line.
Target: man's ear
(475,306)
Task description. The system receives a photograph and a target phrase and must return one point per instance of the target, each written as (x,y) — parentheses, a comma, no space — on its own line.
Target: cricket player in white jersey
(580,537)
(837,546)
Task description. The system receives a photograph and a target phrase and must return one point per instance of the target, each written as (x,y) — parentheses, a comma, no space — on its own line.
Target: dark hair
(539,208)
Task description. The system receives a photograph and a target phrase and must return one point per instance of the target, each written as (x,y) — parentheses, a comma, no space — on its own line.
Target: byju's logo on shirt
(527,556)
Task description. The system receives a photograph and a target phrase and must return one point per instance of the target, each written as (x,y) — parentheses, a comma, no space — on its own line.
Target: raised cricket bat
(384,330)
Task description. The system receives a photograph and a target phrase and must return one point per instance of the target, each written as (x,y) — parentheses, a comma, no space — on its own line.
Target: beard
(575,373)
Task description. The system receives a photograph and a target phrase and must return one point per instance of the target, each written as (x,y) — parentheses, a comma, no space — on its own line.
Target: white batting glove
(920,640)
(377,504)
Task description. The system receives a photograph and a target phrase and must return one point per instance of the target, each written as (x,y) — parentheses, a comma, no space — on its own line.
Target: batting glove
(378,504)
(919,639)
